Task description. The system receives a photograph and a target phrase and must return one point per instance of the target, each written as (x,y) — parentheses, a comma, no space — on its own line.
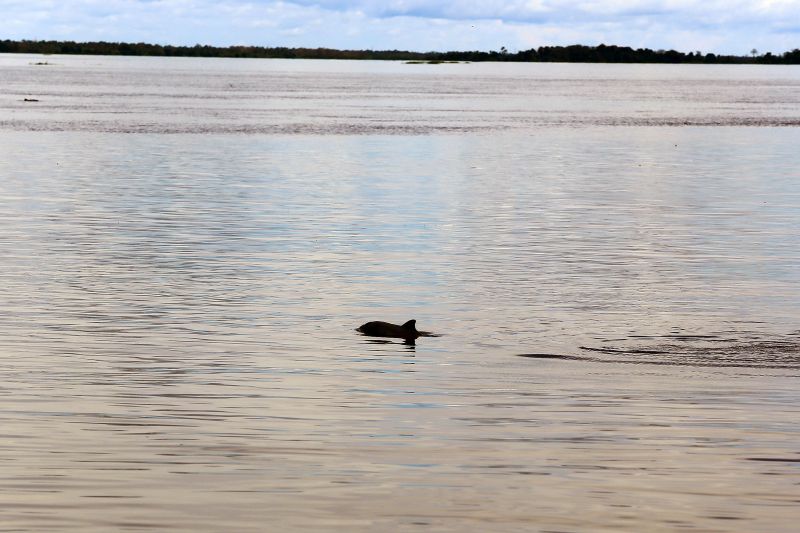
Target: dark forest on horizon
(561,54)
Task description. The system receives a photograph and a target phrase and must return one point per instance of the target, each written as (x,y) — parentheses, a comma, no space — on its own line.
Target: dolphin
(407,331)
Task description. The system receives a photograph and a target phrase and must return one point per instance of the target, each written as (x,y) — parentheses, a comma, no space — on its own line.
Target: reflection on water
(178,315)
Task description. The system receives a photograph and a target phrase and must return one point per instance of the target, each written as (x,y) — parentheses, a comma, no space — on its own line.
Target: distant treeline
(566,54)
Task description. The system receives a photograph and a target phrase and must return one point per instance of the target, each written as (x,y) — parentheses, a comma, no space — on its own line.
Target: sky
(718,26)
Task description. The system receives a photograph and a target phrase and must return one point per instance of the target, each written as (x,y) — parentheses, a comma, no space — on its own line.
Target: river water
(609,253)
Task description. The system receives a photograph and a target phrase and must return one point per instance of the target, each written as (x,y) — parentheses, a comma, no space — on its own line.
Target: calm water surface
(610,253)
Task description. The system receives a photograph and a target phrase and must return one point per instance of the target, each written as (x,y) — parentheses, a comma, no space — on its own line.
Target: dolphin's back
(386,329)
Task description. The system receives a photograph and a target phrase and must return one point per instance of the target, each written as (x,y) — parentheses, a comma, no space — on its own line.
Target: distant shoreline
(544,54)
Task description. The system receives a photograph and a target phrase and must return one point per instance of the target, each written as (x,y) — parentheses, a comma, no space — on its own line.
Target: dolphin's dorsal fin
(411,324)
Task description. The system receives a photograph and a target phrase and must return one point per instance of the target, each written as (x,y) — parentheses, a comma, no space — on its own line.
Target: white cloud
(730,26)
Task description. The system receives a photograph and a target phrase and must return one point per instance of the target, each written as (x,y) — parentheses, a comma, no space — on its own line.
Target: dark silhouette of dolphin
(407,331)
